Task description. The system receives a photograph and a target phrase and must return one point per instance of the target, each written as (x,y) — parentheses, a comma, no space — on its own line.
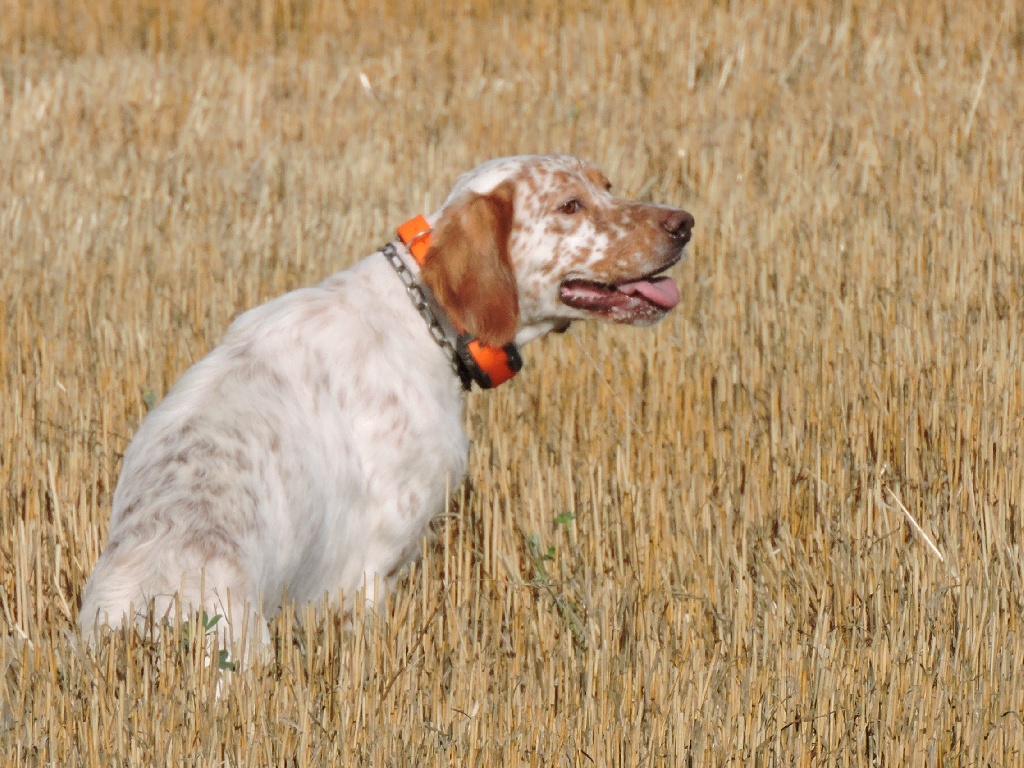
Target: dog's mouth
(640,301)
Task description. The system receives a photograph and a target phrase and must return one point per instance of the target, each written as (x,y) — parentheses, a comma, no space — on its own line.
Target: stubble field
(685,546)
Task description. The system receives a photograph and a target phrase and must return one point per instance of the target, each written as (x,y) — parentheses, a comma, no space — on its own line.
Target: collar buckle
(415,234)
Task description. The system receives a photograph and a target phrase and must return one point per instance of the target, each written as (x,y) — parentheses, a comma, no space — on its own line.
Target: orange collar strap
(486,365)
(415,233)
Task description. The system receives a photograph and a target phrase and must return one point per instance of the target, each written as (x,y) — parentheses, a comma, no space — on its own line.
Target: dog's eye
(571,206)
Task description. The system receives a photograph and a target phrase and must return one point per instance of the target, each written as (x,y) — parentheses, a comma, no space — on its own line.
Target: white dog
(307,453)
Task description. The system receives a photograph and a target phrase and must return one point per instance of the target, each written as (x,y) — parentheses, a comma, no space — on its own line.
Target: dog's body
(307,453)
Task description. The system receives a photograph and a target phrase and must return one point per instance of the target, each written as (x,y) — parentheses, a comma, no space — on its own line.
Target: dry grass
(680,545)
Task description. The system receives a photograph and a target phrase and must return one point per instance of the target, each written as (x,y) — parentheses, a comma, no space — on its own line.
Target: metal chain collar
(425,306)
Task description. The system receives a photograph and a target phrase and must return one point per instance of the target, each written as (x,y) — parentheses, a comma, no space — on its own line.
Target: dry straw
(673,547)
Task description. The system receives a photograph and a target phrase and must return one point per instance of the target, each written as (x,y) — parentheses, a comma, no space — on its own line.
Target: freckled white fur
(307,453)
(368,426)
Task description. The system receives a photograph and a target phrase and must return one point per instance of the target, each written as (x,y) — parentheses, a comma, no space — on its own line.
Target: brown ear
(468,266)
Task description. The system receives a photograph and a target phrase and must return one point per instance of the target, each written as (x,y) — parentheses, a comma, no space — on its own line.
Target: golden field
(679,546)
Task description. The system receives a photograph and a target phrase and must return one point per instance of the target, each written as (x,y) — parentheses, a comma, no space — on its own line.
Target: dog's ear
(468,266)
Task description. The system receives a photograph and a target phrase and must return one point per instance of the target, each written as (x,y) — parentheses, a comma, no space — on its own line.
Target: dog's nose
(679,224)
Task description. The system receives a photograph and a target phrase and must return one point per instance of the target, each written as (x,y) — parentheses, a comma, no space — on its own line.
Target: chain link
(423,306)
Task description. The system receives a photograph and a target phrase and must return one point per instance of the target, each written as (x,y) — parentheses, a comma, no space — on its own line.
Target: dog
(307,453)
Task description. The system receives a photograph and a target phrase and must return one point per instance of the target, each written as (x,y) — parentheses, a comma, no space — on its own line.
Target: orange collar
(415,233)
(486,365)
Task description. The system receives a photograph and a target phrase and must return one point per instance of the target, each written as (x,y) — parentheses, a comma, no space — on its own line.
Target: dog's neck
(473,360)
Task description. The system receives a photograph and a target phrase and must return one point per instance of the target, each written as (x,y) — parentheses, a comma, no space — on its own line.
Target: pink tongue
(662,291)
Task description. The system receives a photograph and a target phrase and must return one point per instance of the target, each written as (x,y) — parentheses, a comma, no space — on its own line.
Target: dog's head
(525,245)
